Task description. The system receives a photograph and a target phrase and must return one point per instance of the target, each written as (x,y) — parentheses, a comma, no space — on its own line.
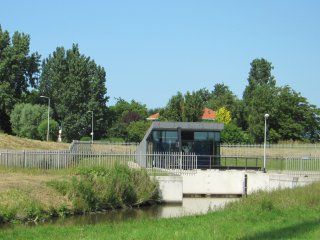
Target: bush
(101,188)
(53,129)
(233,134)
(25,119)
(86,138)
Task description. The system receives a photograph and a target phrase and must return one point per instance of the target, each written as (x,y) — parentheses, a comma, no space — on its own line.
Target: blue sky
(153,49)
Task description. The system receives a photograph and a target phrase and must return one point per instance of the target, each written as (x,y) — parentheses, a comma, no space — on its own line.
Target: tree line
(76,86)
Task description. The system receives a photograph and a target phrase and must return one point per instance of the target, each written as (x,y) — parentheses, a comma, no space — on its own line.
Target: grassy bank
(12,142)
(283,214)
(34,195)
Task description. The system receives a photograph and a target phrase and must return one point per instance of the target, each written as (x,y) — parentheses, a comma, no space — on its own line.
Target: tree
(233,134)
(259,75)
(222,96)
(184,108)
(53,129)
(136,130)
(204,94)
(75,85)
(174,109)
(259,98)
(124,117)
(223,115)
(193,107)
(296,118)
(18,72)
(25,119)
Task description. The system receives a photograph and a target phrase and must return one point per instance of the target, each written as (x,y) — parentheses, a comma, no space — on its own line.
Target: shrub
(100,188)
(86,138)
(233,134)
(53,129)
(25,119)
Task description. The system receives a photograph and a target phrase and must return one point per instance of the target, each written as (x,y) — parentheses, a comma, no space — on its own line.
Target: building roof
(154,117)
(208,114)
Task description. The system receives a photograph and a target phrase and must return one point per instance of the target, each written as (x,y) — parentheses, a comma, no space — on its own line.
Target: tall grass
(100,188)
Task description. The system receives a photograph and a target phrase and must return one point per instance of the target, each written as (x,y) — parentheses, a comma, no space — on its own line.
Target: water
(189,206)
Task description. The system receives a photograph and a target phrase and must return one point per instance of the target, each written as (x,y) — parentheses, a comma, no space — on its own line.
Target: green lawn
(282,214)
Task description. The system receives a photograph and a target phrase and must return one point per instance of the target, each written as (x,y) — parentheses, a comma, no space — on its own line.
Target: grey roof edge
(201,126)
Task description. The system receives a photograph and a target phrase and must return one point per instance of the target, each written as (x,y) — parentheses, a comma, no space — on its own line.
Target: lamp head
(266,115)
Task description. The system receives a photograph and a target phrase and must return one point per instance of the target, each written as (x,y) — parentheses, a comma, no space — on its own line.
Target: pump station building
(199,138)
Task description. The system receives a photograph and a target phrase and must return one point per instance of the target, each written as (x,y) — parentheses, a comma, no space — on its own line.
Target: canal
(189,206)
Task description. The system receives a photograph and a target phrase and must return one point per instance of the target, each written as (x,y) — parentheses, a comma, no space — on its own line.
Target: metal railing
(303,166)
(272,150)
(173,163)
(60,159)
(156,163)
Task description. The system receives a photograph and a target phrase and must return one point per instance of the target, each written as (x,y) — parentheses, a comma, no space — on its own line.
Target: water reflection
(189,206)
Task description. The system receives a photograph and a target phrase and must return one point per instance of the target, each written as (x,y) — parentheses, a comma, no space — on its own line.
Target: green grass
(38,171)
(272,164)
(282,214)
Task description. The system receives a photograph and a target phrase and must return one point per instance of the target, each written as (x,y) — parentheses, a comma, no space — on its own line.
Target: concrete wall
(214,182)
(170,188)
(230,182)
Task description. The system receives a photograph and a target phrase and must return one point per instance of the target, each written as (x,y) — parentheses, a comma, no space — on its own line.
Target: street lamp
(91,125)
(48,116)
(265,141)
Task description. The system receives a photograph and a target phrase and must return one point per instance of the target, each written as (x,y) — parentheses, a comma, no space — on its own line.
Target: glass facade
(205,144)
(164,141)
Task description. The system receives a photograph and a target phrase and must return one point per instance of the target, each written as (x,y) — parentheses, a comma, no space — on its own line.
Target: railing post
(7,157)
(24,158)
(180,162)
(245,185)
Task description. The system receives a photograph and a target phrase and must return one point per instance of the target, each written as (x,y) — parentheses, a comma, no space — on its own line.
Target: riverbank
(36,195)
(281,214)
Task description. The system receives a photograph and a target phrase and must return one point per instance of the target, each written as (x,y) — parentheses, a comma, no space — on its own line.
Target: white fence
(305,166)
(175,163)
(157,163)
(86,154)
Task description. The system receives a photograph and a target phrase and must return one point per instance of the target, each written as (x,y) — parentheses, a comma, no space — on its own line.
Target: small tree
(53,129)
(233,134)
(25,119)
(223,115)
(137,130)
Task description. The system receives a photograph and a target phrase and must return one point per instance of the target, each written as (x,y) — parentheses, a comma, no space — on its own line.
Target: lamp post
(48,129)
(91,125)
(265,141)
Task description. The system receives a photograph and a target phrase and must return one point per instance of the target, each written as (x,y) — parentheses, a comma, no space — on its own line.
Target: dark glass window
(165,141)
(198,136)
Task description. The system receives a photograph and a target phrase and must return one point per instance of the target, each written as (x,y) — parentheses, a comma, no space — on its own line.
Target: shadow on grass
(293,231)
